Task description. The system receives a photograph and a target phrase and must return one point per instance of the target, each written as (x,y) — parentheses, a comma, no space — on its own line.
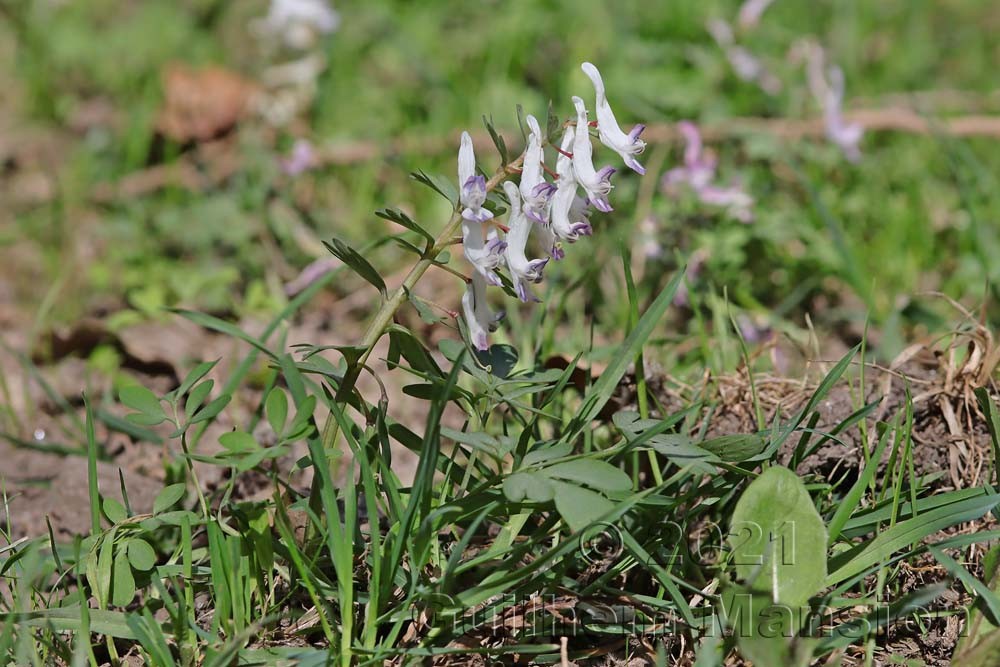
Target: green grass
(540,492)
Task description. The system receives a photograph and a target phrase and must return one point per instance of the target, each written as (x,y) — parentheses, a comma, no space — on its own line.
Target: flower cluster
(554,210)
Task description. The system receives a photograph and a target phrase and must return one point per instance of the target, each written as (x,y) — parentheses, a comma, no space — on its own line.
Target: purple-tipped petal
(525,294)
(535,268)
(605,173)
(636,131)
(544,190)
(634,165)
(496,246)
(602,204)
(536,216)
(481,341)
(557,252)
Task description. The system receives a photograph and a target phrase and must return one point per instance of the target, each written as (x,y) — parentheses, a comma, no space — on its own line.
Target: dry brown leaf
(202,103)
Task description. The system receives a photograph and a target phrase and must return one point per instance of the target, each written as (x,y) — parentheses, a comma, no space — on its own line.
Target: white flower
(522,270)
(597,184)
(569,214)
(535,190)
(471,186)
(611,134)
(485,256)
(478,317)
(300,22)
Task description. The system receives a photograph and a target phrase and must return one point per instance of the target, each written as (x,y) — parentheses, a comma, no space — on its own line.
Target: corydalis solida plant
(554,211)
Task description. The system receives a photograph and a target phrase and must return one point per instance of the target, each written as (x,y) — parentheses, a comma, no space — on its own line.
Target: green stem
(383,318)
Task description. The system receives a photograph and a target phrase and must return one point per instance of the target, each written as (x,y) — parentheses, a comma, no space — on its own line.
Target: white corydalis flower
(597,184)
(611,134)
(522,270)
(829,93)
(484,254)
(471,186)
(478,317)
(569,212)
(535,191)
(300,22)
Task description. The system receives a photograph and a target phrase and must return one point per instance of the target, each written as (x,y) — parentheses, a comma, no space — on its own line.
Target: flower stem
(383,318)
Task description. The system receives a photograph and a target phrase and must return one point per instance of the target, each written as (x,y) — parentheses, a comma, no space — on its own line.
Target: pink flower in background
(310,274)
(301,159)
(745,65)
(750,13)
(827,85)
(698,173)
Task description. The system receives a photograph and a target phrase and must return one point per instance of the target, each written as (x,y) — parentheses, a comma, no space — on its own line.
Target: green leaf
(140,554)
(123,582)
(439,184)
(238,441)
(597,474)
(778,539)
(145,402)
(111,623)
(355,261)
(579,507)
(552,123)
(607,384)
(906,533)
(276,408)
(499,359)
(215,324)
(168,497)
(197,373)
(735,448)
(852,498)
(211,410)
(196,398)
(979,645)
(423,309)
(764,630)
(114,510)
(989,598)
(543,454)
(495,447)
(497,140)
(527,486)
(400,218)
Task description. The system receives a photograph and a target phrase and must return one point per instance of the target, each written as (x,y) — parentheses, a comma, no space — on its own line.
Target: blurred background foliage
(844,243)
